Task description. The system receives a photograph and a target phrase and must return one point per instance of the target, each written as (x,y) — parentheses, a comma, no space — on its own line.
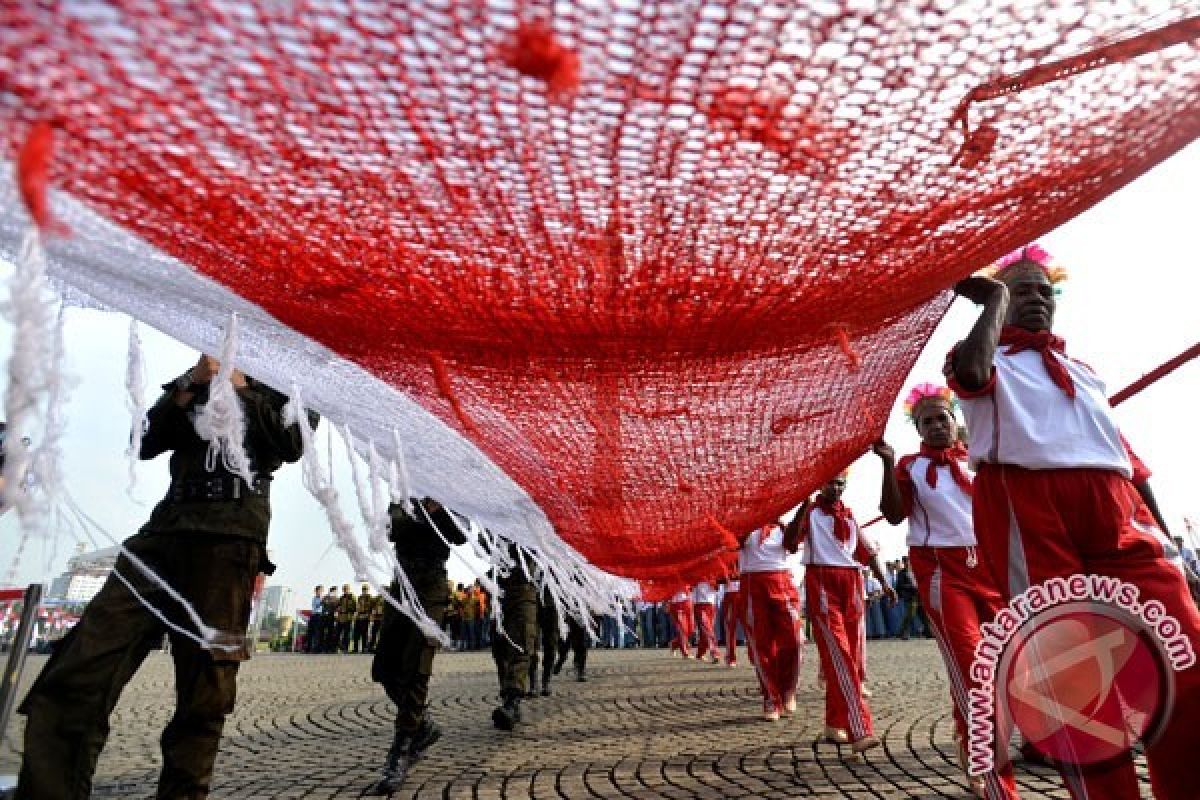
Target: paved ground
(644,726)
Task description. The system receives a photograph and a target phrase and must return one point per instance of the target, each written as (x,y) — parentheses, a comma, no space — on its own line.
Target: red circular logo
(1084,683)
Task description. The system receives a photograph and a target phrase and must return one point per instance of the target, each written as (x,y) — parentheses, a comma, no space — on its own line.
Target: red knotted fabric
(666,263)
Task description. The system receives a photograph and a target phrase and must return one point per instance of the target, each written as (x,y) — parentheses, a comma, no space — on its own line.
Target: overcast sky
(1129,305)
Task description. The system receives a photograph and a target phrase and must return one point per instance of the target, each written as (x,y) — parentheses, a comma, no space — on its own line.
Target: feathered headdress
(925,391)
(1031,253)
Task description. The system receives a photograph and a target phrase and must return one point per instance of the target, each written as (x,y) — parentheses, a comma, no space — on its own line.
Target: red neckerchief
(763,533)
(1052,348)
(951,457)
(842,517)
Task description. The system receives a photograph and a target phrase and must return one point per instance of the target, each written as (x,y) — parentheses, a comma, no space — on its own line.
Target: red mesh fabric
(666,263)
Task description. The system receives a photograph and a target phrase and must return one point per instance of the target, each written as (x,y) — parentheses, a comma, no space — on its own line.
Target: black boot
(580,675)
(506,716)
(545,684)
(425,737)
(396,768)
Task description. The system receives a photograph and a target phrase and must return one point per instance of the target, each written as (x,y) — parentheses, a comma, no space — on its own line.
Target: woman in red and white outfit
(1057,493)
(733,613)
(704,601)
(834,550)
(774,625)
(932,490)
(680,609)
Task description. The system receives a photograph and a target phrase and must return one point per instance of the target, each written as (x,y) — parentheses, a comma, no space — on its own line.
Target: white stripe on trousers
(995,790)
(857,724)
(1018,582)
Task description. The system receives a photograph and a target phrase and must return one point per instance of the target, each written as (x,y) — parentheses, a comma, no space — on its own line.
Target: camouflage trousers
(547,643)
(518,607)
(69,705)
(403,659)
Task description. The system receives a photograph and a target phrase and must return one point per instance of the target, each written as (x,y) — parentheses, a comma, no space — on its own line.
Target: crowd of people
(340,621)
(343,623)
(1040,485)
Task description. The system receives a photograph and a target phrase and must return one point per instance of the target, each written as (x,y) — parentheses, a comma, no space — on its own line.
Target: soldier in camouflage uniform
(518,606)
(347,607)
(577,642)
(362,620)
(404,656)
(207,539)
(547,624)
(376,622)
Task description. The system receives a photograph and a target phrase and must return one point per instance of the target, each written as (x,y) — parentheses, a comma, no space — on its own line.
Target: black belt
(216,489)
(422,563)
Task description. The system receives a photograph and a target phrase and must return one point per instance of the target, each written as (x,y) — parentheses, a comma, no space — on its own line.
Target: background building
(85,574)
(272,617)
(277,601)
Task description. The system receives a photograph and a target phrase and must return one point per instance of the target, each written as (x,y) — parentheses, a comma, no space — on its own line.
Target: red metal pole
(1150,377)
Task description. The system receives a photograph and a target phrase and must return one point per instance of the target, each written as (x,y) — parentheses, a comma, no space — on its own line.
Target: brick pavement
(645,726)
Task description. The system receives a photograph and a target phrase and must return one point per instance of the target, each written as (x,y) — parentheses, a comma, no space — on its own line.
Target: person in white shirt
(1058,493)
(834,549)
(932,490)
(704,604)
(774,623)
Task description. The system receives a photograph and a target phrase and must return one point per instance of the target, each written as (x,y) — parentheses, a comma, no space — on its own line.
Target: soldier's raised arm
(167,422)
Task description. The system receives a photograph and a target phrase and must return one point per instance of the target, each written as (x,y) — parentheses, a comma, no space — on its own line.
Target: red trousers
(776,627)
(834,596)
(958,599)
(1033,525)
(684,623)
(706,643)
(733,613)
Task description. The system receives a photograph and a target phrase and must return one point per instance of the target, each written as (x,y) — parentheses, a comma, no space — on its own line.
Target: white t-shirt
(822,547)
(1021,417)
(763,553)
(937,517)
(684,596)
(704,593)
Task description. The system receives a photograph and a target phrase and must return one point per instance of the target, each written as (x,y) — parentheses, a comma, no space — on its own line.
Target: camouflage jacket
(365,605)
(269,443)
(346,607)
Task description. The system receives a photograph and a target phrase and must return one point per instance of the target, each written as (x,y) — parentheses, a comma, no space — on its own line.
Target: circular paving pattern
(645,725)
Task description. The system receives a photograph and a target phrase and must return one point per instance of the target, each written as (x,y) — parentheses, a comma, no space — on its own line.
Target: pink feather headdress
(923,391)
(1031,253)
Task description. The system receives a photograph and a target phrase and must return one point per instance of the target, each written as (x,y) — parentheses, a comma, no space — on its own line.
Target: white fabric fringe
(34,400)
(317,482)
(374,511)
(135,401)
(220,421)
(398,481)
